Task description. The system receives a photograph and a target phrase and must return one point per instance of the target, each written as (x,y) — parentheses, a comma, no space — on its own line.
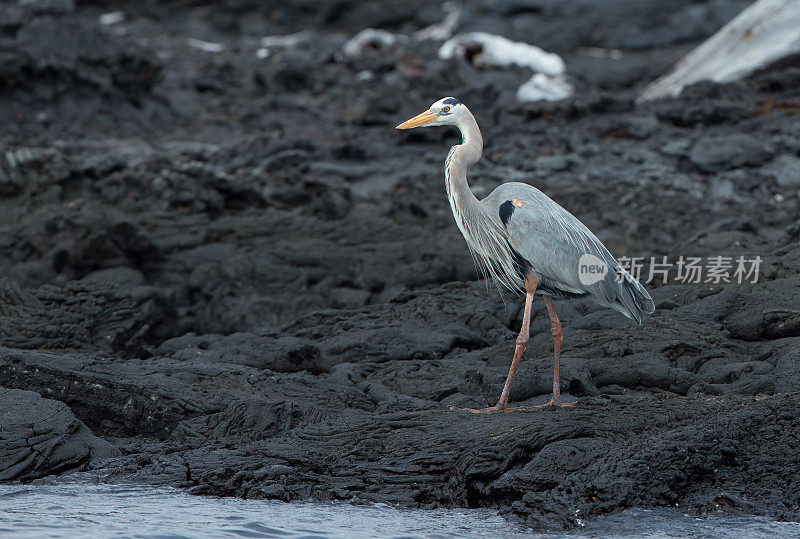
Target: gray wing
(556,245)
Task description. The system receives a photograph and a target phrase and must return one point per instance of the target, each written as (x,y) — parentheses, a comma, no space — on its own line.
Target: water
(670,523)
(82,510)
(69,510)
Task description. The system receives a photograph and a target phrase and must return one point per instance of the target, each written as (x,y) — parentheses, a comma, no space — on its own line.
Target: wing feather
(553,241)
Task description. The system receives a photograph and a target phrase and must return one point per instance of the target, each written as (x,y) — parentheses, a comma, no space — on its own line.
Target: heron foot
(490,410)
(498,409)
(554,403)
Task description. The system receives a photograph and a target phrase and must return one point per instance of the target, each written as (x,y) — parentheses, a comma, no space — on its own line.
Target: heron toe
(496,409)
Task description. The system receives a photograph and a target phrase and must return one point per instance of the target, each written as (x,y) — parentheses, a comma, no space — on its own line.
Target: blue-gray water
(83,510)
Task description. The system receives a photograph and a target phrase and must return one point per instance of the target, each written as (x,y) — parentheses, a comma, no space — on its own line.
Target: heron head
(446,111)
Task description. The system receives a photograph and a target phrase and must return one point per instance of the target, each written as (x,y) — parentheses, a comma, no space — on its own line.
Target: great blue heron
(528,243)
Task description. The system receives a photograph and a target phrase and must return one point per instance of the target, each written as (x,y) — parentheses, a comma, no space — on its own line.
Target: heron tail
(632,299)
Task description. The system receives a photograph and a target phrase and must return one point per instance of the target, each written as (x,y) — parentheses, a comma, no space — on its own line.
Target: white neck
(455,169)
(471,145)
(462,201)
(481,228)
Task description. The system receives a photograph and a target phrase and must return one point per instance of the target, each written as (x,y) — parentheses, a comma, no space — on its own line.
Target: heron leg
(519,350)
(558,336)
(522,340)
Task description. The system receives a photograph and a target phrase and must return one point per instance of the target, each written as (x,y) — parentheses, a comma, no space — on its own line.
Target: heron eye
(446,109)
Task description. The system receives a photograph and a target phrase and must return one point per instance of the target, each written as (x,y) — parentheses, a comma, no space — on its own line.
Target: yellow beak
(420,120)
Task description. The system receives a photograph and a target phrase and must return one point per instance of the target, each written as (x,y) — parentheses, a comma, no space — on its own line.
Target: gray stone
(786,170)
(40,437)
(716,153)
(49,7)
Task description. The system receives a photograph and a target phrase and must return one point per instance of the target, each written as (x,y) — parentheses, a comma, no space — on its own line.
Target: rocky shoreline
(222,270)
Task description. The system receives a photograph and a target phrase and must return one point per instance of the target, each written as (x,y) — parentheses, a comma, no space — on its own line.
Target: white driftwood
(499,51)
(765,32)
(549,83)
